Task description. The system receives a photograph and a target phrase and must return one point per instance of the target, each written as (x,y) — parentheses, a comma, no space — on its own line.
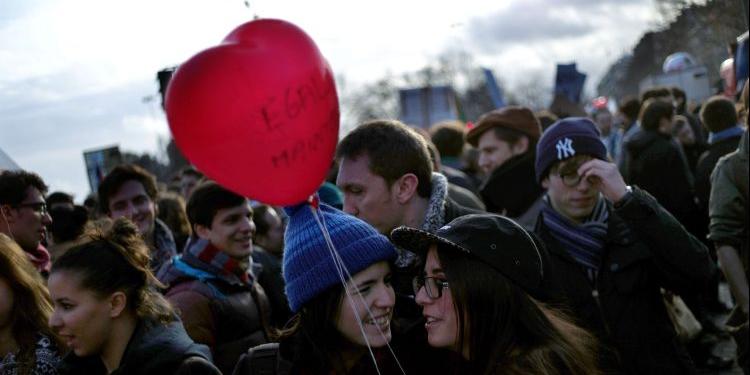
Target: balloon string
(331,247)
(341,269)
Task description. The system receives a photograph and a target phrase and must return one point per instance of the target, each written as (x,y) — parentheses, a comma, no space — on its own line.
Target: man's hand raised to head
(605,177)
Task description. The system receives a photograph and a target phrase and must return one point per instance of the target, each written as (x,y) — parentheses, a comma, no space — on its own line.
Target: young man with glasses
(24,216)
(612,248)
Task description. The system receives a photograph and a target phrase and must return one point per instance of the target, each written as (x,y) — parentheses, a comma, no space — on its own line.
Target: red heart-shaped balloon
(258,113)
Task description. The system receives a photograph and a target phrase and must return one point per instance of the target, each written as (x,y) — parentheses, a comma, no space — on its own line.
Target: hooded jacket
(153,349)
(657,165)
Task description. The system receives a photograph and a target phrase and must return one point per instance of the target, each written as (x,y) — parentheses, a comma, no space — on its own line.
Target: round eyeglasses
(38,207)
(573,179)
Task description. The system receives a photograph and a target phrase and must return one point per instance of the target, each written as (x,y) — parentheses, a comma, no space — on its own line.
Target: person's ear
(7,213)
(545,182)
(405,187)
(202,231)
(118,301)
(521,146)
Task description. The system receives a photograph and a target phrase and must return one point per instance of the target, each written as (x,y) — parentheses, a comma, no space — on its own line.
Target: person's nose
(385,298)
(54,321)
(421,298)
(483,162)
(350,207)
(46,219)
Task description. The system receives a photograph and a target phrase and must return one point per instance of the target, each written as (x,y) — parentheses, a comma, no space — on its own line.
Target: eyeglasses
(432,285)
(573,179)
(38,207)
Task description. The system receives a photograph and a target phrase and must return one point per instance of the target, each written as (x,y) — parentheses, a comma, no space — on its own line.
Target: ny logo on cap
(565,148)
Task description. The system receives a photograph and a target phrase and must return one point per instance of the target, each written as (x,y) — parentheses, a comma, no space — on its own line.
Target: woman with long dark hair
(27,344)
(109,313)
(478,273)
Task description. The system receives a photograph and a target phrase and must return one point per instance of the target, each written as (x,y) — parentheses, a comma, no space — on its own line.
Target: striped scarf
(584,242)
(202,254)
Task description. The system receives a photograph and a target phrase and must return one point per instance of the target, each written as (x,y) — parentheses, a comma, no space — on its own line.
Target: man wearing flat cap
(612,249)
(506,139)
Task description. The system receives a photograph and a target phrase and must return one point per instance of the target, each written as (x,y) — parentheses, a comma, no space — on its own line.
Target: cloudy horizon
(69,84)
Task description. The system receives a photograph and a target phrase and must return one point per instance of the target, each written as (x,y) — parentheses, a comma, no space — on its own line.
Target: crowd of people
(523,244)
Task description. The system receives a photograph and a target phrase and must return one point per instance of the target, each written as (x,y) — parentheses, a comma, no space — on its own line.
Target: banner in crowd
(99,162)
(569,82)
(424,106)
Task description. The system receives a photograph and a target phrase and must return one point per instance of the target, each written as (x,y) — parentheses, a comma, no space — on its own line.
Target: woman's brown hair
(32,305)
(117,259)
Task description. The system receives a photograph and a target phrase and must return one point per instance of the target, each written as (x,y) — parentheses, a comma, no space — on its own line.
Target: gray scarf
(434,217)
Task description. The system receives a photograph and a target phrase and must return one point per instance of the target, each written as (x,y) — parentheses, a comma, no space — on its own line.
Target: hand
(605,177)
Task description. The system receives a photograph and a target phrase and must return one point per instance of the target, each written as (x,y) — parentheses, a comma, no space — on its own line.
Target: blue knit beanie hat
(567,138)
(308,267)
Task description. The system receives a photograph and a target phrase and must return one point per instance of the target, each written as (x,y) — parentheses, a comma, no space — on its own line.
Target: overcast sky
(80,74)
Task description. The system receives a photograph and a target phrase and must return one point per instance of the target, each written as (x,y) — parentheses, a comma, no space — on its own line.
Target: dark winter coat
(153,349)
(227,315)
(657,165)
(706,165)
(512,190)
(295,355)
(646,249)
(272,282)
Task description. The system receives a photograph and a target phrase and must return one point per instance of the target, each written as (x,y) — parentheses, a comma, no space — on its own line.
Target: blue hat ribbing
(567,138)
(308,267)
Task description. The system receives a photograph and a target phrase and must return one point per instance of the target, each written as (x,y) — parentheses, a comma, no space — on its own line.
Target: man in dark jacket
(728,208)
(220,302)
(506,139)
(657,165)
(720,118)
(611,249)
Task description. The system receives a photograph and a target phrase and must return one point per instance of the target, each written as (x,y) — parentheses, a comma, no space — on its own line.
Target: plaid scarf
(200,253)
(584,242)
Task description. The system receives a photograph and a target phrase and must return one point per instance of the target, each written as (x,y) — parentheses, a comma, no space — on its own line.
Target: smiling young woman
(342,323)
(108,312)
(478,273)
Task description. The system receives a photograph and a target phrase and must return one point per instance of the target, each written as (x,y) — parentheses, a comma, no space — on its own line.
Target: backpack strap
(263,359)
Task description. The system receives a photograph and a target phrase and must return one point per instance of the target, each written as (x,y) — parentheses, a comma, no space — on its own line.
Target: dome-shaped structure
(678,61)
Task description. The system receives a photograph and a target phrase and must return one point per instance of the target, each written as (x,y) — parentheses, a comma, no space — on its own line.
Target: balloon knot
(314,201)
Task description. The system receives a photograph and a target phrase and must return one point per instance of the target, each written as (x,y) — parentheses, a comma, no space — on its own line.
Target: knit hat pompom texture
(308,267)
(567,138)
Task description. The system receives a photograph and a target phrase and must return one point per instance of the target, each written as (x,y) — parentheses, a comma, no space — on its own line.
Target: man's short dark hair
(259,218)
(449,137)
(653,111)
(14,186)
(120,175)
(191,171)
(656,92)
(393,149)
(59,197)
(677,93)
(207,199)
(630,107)
(718,113)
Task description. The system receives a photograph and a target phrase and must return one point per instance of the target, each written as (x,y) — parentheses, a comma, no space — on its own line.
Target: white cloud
(73,73)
